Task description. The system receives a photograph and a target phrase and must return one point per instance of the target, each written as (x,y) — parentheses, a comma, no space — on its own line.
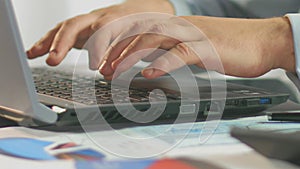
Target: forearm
(249,47)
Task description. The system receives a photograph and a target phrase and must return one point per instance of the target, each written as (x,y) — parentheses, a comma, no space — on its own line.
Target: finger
(132,60)
(142,42)
(163,34)
(152,34)
(95,39)
(123,39)
(103,41)
(43,45)
(177,57)
(85,35)
(154,55)
(113,53)
(96,46)
(66,37)
(145,45)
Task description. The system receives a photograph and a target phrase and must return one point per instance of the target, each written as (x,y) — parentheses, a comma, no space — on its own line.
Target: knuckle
(66,23)
(137,27)
(72,22)
(157,28)
(58,25)
(95,26)
(101,23)
(183,49)
(165,63)
(131,46)
(41,42)
(58,40)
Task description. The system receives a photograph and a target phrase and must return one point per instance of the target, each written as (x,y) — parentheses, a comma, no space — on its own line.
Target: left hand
(76,31)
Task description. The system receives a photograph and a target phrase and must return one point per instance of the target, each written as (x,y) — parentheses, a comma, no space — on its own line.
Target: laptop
(42,96)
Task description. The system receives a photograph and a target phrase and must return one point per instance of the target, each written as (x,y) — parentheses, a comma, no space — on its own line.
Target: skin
(74,32)
(248,48)
(245,47)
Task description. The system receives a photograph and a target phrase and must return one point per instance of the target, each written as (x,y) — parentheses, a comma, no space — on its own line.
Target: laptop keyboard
(90,91)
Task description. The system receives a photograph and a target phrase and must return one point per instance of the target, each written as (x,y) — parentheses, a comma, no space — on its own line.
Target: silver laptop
(44,96)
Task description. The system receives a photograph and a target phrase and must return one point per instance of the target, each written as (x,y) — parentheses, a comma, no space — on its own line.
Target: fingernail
(115,64)
(38,46)
(28,53)
(148,72)
(53,59)
(105,69)
(53,52)
(102,65)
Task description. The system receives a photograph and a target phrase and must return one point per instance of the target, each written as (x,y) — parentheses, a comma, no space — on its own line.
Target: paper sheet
(218,146)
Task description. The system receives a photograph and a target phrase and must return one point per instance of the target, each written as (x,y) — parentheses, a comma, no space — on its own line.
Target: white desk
(219,149)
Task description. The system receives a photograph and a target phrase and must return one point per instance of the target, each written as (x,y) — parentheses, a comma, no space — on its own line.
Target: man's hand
(76,31)
(238,47)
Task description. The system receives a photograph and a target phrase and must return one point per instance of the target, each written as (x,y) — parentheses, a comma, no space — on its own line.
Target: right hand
(231,46)
(74,32)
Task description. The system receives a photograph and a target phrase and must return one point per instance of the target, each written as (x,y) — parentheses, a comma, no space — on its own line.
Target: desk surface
(215,145)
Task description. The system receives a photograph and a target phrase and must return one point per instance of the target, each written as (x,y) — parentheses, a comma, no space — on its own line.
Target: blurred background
(36,17)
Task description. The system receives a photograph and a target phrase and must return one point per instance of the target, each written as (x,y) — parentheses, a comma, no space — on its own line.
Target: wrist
(281,46)
(294,20)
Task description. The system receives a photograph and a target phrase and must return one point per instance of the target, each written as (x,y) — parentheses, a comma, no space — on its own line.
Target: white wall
(36,17)
(79,6)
